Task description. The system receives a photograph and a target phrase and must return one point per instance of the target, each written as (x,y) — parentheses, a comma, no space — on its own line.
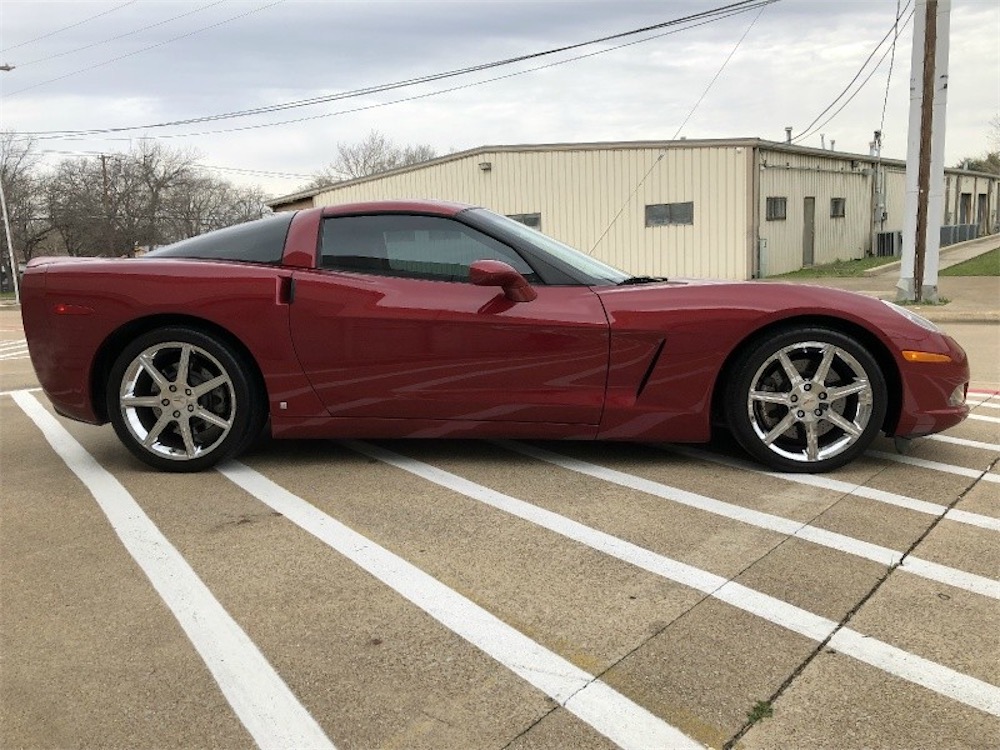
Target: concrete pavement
(971,299)
(92,656)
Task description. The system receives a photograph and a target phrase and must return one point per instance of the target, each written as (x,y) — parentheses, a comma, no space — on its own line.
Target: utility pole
(108,238)
(918,273)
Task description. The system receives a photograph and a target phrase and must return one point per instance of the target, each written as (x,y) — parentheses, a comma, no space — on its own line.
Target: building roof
(758,143)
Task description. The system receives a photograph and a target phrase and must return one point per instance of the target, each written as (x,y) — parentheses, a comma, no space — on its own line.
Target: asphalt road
(461,594)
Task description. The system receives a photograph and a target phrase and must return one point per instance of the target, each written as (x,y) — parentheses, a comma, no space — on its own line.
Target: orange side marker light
(61,308)
(914,356)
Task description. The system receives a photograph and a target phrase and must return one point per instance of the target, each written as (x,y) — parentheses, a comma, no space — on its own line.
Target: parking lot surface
(474,594)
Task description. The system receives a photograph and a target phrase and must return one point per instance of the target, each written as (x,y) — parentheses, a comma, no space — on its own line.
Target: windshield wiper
(642,280)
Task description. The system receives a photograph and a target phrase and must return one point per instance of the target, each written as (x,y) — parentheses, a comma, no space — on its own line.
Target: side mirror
(497,273)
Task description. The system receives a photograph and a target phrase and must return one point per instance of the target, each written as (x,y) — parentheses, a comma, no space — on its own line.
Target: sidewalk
(972,299)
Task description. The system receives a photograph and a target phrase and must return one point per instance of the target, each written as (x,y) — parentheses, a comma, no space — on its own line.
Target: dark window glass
(418,247)
(838,208)
(777,209)
(261,241)
(662,214)
(529,220)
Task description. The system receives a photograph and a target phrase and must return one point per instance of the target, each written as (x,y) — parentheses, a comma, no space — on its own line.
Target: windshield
(596,272)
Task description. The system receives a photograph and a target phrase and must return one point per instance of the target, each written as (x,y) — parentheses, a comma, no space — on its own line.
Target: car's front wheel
(806,399)
(181,400)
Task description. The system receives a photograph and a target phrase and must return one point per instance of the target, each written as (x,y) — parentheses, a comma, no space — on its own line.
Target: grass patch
(761,710)
(838,269)
(6,296)
(987,264)
(923,302)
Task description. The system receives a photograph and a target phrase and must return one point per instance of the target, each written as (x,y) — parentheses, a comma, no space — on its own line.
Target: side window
(663,214)
(417,247)
(777,208)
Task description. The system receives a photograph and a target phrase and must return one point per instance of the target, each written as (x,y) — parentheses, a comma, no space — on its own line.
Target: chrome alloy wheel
(810,401)
(177,401)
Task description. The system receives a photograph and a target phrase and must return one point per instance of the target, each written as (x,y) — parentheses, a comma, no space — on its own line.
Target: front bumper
(933,397)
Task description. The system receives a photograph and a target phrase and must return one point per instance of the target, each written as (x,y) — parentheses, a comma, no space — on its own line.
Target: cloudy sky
(106,64)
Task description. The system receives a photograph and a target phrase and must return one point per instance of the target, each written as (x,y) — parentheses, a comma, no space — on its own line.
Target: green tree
(990,161)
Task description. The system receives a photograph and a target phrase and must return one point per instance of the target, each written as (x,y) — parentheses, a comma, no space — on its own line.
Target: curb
(943,252)
(957,317)
(879,270)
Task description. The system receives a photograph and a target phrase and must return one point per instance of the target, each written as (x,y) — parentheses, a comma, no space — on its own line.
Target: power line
(714,13)
(857,91)
(426,95)
(195,165)
(892,60)
(718,73)
(121,36)
(262,172)
(662,153)
(146,49)
(809,128)
(67,28)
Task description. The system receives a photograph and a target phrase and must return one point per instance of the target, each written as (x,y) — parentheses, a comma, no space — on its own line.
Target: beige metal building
(733,209)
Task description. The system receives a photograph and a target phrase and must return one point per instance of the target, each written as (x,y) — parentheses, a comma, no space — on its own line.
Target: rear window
(261,241)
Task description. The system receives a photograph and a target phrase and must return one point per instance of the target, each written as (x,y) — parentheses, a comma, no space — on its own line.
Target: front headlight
(913,317)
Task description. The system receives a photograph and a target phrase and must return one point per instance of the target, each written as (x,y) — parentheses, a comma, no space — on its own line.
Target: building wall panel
(593,197)
(796,177)
(580,192)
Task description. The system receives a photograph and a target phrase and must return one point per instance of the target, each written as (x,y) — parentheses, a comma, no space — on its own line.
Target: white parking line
(13,344)
(983,418)
(260,698)
(936,677)
(610,713)
(19,390)
(987,404)
(965,442)
(848,488)
(883,555)
(923,463)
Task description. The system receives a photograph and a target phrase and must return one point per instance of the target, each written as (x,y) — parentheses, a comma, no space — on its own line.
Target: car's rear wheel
(806,399)
(181,400)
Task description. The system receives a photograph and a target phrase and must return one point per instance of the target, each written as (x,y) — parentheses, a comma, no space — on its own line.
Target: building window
(661,214)
(838,208)
(529,220)
(777,209)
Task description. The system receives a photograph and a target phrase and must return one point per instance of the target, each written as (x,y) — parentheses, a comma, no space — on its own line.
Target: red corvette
(430,319)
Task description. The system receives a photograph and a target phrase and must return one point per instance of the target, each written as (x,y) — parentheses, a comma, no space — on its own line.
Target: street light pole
(6,225)
(10,245)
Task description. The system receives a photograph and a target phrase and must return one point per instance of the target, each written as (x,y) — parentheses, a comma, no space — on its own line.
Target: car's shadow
(305,452)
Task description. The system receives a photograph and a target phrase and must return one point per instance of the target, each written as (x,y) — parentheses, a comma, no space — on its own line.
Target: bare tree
(74,206)
(22,183)
(115,203)
(201,204)
(160,171)
(375,154)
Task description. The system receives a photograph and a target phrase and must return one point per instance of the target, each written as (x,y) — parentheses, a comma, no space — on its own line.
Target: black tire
(790,414)
(182,400)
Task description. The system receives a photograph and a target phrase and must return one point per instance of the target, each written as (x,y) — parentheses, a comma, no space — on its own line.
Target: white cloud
(797,58)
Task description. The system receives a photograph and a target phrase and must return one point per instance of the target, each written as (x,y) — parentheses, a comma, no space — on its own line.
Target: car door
(389,326)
